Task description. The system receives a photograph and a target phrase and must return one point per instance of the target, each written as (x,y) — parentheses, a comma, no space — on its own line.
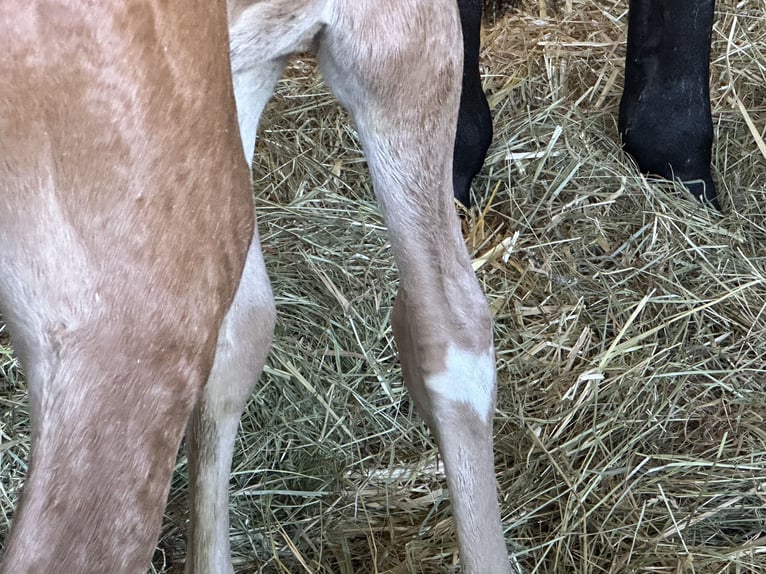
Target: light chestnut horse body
(132,276)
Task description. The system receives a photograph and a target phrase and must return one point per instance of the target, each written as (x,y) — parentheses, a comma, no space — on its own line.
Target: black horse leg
(474,125)
(665,119)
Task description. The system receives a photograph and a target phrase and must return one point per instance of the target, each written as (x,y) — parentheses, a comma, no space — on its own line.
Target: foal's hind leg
(262,35)
(396,66)
(243,343)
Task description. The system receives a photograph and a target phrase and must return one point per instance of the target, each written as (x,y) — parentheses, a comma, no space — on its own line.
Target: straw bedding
(630,327)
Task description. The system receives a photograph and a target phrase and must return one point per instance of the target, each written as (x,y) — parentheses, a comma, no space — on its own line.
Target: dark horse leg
(665,119)
(474,125)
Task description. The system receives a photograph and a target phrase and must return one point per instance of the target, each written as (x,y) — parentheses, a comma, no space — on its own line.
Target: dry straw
(630,332)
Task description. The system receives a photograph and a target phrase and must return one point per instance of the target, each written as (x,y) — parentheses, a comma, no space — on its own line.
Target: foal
(126,226)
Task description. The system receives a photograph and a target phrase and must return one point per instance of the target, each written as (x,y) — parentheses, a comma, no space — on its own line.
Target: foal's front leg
(397,67)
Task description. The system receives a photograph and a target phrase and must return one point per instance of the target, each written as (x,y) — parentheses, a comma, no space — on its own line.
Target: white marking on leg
(468,378)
